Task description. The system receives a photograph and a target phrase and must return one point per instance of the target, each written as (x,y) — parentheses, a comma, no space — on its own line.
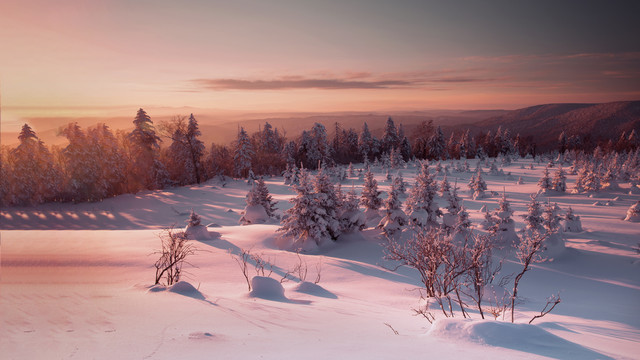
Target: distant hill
(545,122)
(542,122)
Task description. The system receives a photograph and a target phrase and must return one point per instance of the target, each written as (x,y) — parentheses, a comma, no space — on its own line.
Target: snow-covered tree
(533,219)
(146,171)
(370,197)
(437,146)
(30,174)
(572,222)
(504,233)
(395,219)
(349,214)
(390,139)
(421,205)
(258,197)
(559,182)
(365,142)
(399,184)
(242,154)
(477,186)
(545,181)
(327,204)
(299,224)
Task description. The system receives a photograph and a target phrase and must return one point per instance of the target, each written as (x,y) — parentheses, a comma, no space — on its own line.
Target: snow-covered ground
(76,282)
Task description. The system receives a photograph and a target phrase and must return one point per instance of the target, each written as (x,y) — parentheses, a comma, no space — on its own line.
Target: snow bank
(267,288)
(310,288)
(254,214)
(522,337)
(197,232)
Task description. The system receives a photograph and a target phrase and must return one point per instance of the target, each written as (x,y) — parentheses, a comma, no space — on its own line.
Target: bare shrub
(175,249)
(243,261)
(528,252)
(551,303)
(441,266)
(263,267)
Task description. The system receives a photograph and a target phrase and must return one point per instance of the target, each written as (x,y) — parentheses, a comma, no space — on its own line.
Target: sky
(108,57)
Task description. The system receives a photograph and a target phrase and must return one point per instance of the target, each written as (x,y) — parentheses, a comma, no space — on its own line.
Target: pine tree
(327,203)
(31,177)
(370,197)
(195,147)
(559,183)
(550,218)
(533,219)
(243,154)
(545,181)
(394,218)
(437,146)
(390,139)
(504,228)
(399,184)
(351,218)
(146,172)
(365,142)
(421,205)
(299,222)
(264,198)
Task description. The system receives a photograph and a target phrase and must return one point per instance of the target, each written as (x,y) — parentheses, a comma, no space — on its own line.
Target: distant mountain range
(542,122)
(545,122)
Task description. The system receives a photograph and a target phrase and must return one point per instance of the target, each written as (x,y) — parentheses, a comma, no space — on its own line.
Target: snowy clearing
(77,282)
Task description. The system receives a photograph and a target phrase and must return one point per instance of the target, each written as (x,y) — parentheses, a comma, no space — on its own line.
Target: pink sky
(81,58)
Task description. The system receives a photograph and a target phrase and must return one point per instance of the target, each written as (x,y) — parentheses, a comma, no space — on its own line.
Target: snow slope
(77,283)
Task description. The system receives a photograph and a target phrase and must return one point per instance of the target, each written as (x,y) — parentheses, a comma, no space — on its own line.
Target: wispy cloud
(348,81)
(290,83)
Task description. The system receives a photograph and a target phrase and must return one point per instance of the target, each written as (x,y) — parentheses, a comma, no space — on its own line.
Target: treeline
(99,163)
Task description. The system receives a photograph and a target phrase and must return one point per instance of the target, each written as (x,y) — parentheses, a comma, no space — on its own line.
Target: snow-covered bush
(572,222)
(260,205)
(633,214)
(349,215)
(195,230)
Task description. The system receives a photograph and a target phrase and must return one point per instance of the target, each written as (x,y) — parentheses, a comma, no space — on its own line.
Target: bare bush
(551,303)
(175,249)
(482,272)
(528,252)
(263,267)
(243,261)
(441,265)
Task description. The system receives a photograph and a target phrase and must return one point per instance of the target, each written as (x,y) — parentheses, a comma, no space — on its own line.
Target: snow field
(77,282)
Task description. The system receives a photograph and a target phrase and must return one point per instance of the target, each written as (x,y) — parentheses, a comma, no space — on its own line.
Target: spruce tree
(421,205)
(370,197)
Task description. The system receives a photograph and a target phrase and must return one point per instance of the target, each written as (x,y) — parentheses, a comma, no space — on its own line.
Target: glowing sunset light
(83,57)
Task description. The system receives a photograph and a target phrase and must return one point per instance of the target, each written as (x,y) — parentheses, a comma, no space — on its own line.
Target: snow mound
(521,337)
(254,214)
(267,288)
(186,289)
(310,288)
(197,232)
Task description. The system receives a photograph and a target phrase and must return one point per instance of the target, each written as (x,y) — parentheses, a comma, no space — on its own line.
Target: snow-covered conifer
(399,184)
(394,218)
(421,205)
(572,222)
(545,181)
(559,182)
(533,219)
(350,217)
(243,154)
(370,197)
(504,229)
